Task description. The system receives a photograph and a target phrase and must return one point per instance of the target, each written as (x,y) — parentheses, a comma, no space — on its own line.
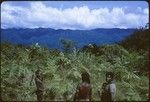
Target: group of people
(84,89)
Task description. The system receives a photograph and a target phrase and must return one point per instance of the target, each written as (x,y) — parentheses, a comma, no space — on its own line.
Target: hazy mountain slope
(51,37)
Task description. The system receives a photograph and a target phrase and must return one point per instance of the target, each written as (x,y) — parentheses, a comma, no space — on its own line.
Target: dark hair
(85,77)
(111,74)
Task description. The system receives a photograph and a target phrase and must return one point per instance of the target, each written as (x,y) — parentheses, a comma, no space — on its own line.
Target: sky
(74,14)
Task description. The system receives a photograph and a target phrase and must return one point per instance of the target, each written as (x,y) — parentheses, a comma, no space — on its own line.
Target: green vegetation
(62,71)
(138,40)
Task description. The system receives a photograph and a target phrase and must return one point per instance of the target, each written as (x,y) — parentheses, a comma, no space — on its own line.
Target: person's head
(109,76)
(85,77)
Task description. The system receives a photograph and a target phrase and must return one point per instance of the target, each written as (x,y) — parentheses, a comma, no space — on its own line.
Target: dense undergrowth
(62,72)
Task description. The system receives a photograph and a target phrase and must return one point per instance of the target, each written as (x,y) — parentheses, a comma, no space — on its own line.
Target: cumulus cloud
(40,15)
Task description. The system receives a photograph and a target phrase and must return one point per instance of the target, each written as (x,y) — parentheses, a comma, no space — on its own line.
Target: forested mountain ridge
(51,37)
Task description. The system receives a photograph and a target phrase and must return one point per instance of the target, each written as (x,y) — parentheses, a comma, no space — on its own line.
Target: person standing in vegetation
(108,88)
(84,90)
(39,85)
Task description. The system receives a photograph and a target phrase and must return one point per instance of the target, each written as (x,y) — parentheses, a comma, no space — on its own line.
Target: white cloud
(39,15)
(146,11)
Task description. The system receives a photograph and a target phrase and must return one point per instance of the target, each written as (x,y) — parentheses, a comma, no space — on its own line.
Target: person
(84,89)
(108,88)
(39,85)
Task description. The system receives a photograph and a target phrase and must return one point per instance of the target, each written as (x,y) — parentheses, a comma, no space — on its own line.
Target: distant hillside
(51,37)
(138,40)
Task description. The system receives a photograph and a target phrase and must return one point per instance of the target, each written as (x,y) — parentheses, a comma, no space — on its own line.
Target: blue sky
(74,14)
(90,4)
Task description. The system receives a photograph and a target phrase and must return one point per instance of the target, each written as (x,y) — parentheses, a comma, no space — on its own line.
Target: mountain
(51,37)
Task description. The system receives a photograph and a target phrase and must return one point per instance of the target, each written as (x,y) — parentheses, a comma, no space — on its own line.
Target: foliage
(67,45)
(138,40)
(62,72)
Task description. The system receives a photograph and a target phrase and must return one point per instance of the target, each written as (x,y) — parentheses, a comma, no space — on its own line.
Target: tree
(138,40)
(67,45)
(91,48)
